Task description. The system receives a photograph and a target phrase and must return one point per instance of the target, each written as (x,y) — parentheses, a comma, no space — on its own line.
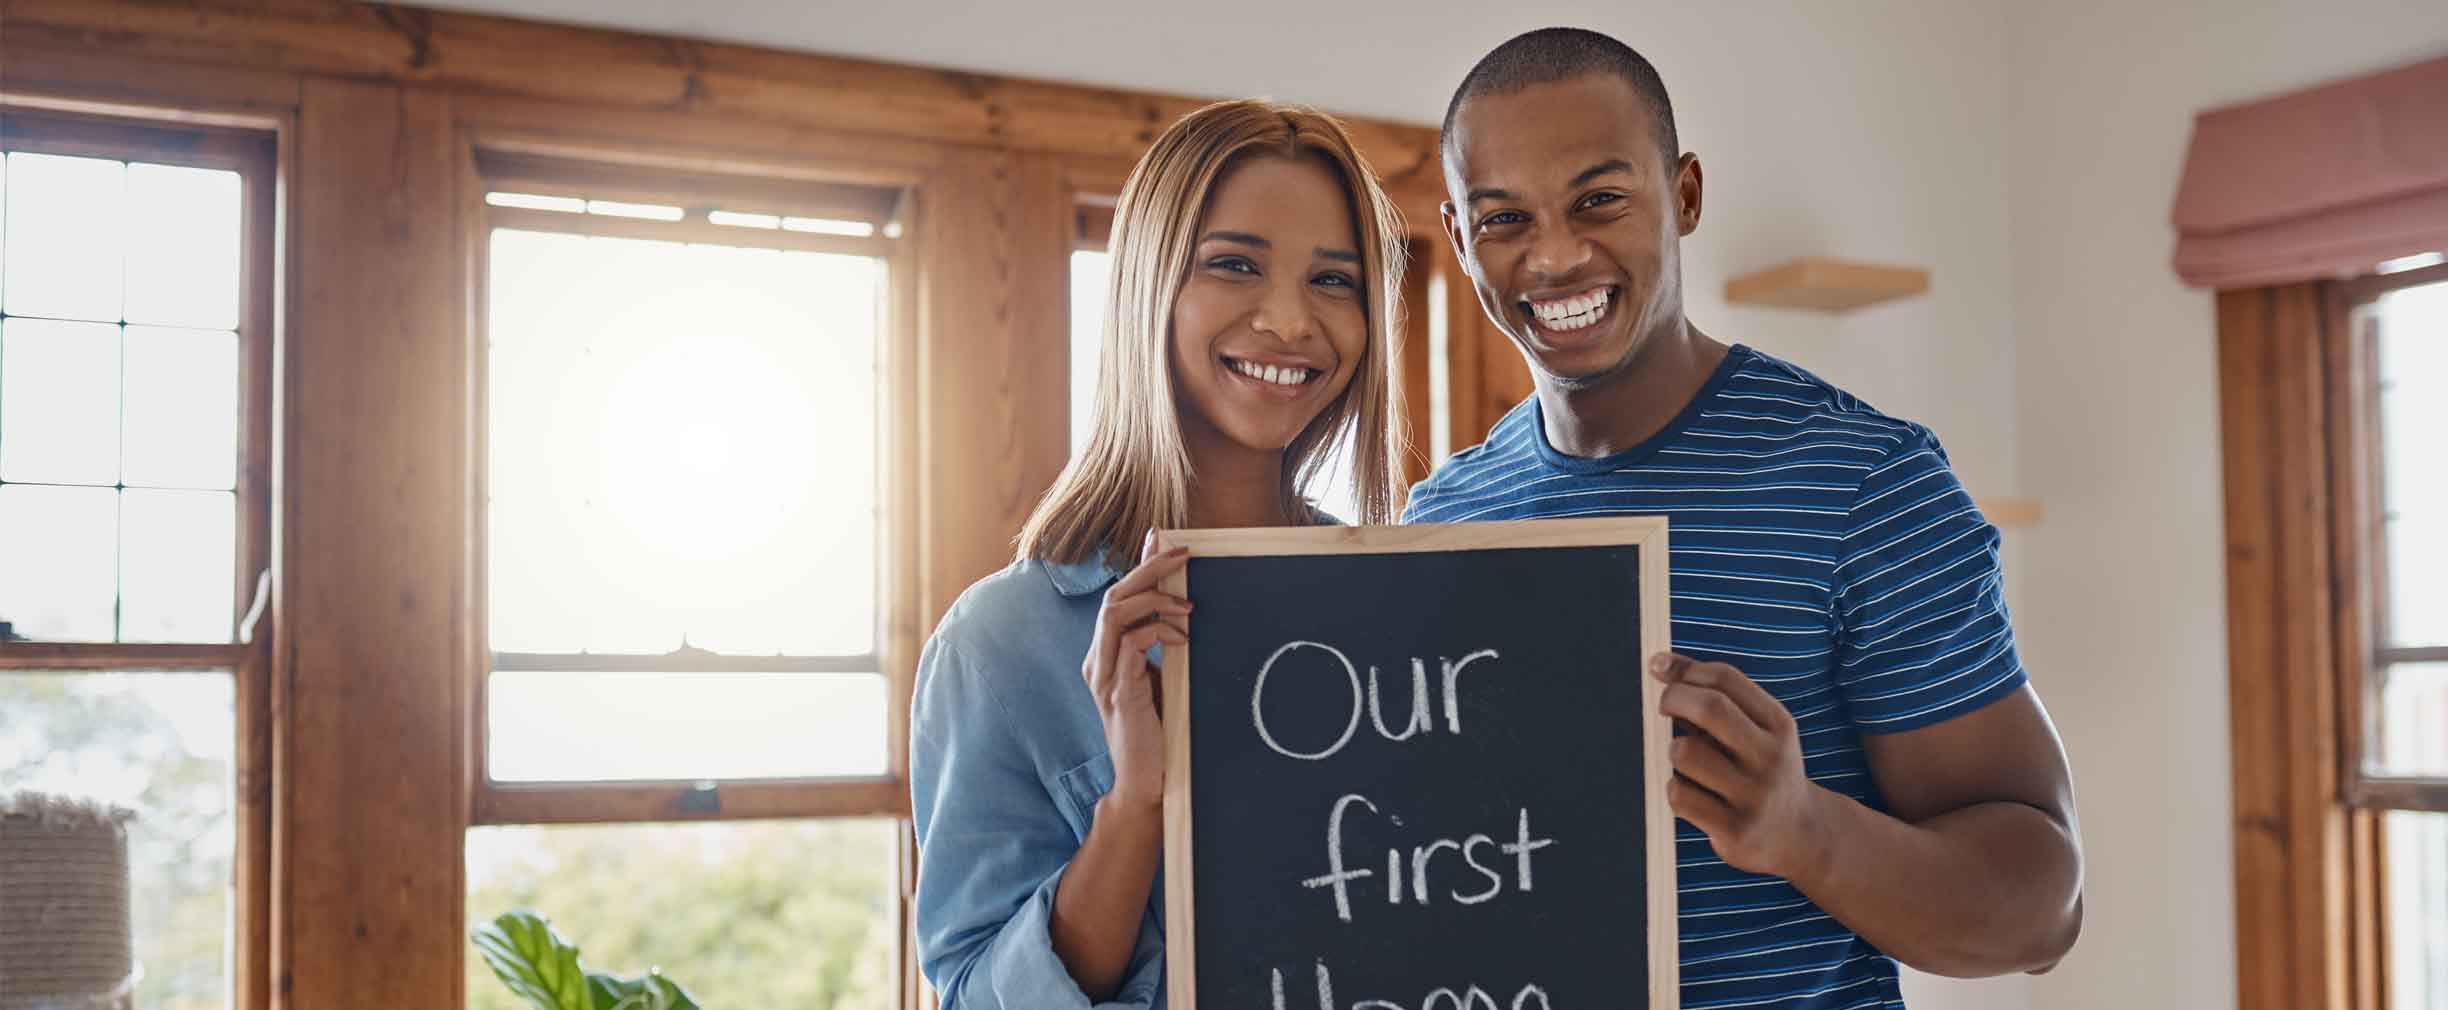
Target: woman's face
(1273,320)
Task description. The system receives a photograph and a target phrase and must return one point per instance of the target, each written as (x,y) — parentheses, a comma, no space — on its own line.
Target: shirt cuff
(1026,973)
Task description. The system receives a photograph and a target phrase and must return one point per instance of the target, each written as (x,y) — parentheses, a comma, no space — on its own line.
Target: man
(1863,773)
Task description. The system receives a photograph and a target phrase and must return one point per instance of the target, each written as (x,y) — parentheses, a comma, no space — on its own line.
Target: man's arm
(1978,870)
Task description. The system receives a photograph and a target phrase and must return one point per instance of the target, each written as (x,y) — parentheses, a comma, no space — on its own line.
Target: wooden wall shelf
(2010,513)
(1827,285)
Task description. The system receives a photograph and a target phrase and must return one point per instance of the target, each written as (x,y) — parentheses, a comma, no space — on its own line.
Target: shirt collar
(1080,578)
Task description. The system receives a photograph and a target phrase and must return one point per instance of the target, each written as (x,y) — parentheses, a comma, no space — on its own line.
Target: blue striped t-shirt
(1826,550)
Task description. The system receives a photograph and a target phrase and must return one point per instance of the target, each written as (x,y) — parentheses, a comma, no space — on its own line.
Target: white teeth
(1574,312)
(1277,374)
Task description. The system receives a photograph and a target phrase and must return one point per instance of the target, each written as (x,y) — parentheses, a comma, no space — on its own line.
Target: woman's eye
(1235,264)
(1338,280)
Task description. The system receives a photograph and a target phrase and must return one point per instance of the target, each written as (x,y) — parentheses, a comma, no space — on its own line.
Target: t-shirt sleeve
(1919,597)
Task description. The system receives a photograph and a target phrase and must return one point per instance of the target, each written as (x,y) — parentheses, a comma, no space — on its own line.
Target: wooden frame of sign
(1647,535)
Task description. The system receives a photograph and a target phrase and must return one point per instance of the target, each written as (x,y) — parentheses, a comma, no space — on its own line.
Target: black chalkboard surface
(1419,768)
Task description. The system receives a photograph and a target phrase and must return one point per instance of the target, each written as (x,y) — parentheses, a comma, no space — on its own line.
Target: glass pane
(66,236)
(795,914)
(62,561)
(182,250)
(2412,721)
(682,447)
(554,727)
(2413,356)
(1091,285)
(160,744)
(182,409)
(177,562)
(2417,908)
(59,402)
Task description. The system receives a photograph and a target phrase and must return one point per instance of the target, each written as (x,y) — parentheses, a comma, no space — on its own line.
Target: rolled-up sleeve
(992,846)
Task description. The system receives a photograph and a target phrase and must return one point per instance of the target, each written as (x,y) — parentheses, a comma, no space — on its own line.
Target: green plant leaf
(650,991)
(535,962)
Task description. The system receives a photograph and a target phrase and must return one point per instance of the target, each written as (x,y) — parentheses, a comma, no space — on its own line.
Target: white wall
(2123,593)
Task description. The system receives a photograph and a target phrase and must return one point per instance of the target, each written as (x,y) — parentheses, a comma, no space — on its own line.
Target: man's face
(1567,218)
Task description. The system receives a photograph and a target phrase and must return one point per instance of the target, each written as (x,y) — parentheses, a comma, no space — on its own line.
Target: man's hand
(1738,770)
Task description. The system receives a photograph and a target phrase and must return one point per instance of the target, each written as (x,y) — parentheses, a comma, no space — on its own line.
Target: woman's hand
(1135,617)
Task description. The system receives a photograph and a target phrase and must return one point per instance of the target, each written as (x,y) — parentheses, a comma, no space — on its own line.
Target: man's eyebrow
(1238,238)
(1477,195)
(1599,169)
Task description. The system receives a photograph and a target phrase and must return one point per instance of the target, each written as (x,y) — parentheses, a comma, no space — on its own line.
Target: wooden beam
(47,656)
(500,55)
(2295,930)
(1412,357)
(640,802)
(994,347)
(369,804)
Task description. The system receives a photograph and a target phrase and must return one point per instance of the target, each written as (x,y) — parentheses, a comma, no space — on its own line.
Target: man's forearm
(1989,889)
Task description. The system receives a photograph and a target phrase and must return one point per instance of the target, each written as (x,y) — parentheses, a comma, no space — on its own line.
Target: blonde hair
(1135,474)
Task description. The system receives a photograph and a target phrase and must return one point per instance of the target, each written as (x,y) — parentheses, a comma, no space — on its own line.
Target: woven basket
(64,905)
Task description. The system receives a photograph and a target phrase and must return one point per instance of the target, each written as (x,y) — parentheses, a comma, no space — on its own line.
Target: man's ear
(1453,233)
(1687,194)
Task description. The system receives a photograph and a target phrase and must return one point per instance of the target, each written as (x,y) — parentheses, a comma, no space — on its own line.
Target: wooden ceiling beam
(493,55)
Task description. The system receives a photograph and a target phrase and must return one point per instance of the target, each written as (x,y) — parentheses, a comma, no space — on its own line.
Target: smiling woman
(1248,331)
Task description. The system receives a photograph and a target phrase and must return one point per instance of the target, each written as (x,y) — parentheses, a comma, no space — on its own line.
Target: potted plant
(543,969)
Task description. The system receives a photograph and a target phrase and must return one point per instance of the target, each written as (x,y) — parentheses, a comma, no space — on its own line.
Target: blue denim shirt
(1007,762)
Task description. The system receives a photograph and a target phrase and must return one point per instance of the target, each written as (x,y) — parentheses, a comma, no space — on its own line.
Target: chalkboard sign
(1420,768)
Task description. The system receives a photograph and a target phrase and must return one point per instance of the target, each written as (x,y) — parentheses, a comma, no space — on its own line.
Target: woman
(1255,272)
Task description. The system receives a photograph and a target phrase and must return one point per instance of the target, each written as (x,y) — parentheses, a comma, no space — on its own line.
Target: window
(689,578)
(2404,766)
(134,358)
(1091,288)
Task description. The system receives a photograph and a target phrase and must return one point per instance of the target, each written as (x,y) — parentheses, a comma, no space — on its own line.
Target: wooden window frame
(250,146)
(615,172)
(2366,653)
(2299,423)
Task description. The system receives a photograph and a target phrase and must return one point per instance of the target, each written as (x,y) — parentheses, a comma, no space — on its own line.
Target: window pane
(742,914)
(2417,906)
(160,744)
(682,447)
(1091,285)
(177,560)
(2412,720)
(554,727)
(182,246)
(65,235)
(2413,356)
(60,543)
(182,408)
(59,402)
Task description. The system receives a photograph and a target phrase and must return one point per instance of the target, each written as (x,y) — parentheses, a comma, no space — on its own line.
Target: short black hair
(1549,55)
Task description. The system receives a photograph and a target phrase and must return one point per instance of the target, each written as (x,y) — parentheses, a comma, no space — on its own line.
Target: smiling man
(1864,775)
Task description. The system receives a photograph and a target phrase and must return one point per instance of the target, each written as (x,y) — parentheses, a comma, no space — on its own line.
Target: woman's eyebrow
(1340,255)
(1238,238)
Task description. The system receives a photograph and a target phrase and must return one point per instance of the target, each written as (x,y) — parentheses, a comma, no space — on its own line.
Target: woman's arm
(1102,898)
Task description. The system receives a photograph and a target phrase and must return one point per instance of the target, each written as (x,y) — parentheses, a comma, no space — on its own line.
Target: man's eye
(1502,218)
(1601,199)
